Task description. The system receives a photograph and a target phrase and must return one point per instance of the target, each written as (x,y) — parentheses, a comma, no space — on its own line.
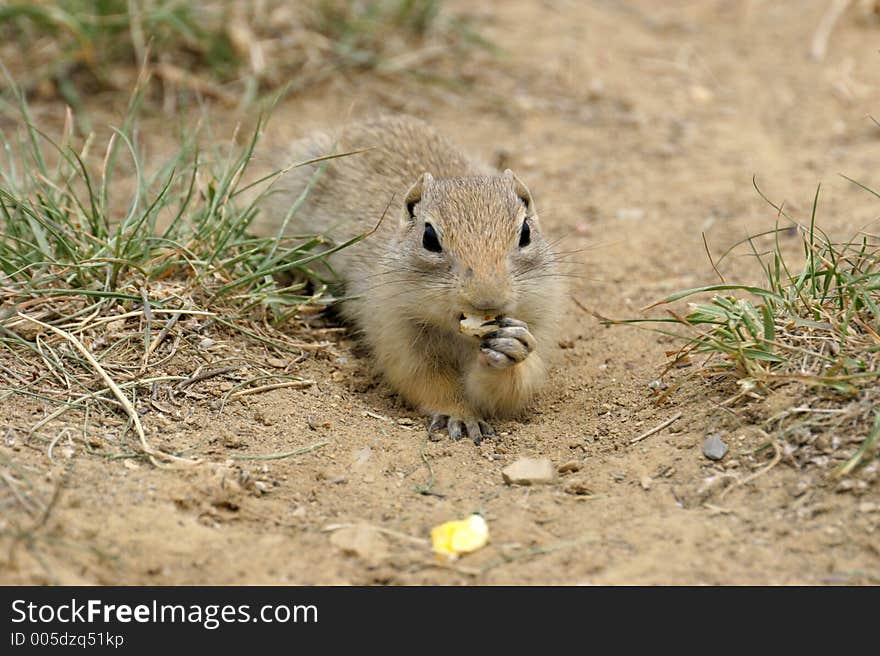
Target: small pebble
(577,486)
(630,214)
(570,466)
(701,94)
(361,456)
(714,448)
(529,471)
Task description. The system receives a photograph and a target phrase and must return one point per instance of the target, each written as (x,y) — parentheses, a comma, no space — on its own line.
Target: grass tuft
(136,272)
(80,42)
(225,49)
(814,326)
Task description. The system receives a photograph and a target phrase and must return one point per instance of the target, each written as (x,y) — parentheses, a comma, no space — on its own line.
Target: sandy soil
(636,130)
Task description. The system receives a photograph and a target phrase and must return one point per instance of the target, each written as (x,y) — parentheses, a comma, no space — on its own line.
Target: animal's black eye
(525,235)
(430,241)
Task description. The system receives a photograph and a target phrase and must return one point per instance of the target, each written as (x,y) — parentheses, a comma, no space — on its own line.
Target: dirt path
(636,130)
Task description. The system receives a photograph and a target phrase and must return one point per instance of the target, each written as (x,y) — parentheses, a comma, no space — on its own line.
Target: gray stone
(714,447)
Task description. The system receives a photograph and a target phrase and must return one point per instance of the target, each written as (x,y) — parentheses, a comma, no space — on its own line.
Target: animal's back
(350,194)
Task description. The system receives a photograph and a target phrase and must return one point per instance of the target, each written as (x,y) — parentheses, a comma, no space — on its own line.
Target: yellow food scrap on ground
(463,536)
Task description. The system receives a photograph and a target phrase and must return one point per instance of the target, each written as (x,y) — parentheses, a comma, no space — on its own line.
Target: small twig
(656,429)
(718,510)
(867,445)
(63,431)
(427,489)
(171,353)
(410,60)
(299,384)
(198,377)
(308,346)
(160,338)
(333,329)
(711,261)
(54,367)
(819,45)
(592,312)
(819,410)
(148,319)
(136,313)
(286,454)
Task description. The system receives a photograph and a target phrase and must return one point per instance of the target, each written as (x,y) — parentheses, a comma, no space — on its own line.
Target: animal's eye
(525,235)
(430,241)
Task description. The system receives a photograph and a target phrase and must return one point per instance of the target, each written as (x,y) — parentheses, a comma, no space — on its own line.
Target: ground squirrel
(457,240)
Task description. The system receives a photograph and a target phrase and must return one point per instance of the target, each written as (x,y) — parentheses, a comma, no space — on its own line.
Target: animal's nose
(486,305)
(485,292)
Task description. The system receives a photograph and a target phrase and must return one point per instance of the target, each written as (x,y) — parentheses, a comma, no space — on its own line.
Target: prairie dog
(457,241)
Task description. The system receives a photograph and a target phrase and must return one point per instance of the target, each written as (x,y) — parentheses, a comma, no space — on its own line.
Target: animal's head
(476,245)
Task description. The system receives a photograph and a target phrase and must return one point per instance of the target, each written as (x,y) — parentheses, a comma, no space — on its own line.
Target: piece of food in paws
(477,325)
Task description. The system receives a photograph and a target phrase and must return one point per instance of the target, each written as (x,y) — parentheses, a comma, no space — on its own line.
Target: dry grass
(228,50)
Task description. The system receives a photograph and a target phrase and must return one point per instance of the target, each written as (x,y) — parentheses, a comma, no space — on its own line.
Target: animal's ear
(414,195)
(522,192)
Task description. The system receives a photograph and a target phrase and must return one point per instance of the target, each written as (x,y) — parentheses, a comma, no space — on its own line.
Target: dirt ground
(637,128)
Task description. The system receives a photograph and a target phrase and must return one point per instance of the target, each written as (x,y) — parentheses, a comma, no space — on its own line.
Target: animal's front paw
(508,345)
(456,427)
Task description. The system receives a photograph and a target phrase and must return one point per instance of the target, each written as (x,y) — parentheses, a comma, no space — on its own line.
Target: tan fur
(408,300)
